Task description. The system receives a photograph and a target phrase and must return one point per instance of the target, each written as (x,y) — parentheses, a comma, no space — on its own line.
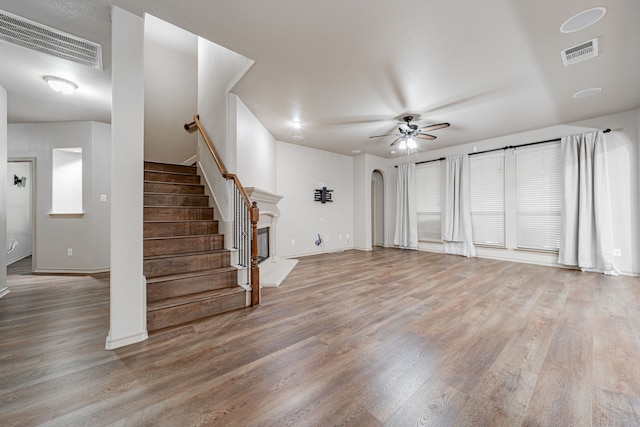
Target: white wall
(19,217)
(219,70)
(3,189)
(170,91)
(623,158)
(55,234)
(300,171)
(128,314)
(101,186)
(377,208)
(363,168)
(256,147)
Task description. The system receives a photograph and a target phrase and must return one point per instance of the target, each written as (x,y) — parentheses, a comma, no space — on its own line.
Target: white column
(128,322)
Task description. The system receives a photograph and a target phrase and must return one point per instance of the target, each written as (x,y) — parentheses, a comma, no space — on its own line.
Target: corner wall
(170,91)
(219,70)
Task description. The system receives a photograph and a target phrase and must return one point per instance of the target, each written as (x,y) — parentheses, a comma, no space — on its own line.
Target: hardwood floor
(381,338)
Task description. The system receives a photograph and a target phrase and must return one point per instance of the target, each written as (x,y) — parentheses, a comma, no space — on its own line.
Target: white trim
(4,291)
(191,160)
(121,342)
(71,270)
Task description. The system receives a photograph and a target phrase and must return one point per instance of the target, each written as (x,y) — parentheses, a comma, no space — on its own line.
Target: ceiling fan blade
(378,136)
(426,136)
(395,142)
(435,127)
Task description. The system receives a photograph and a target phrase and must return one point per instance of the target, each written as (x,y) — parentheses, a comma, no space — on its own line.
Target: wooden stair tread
(186,254)
(190,274)
(191,298)
(199,282)
(178,220)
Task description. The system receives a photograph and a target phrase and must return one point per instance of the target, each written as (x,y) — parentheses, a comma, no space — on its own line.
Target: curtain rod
(503,148)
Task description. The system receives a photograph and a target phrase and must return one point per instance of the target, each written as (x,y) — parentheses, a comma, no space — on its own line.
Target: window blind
(539,190)
(428,201)
(486,173)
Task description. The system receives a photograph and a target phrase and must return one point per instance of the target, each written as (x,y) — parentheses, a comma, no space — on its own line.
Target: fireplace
(263,244)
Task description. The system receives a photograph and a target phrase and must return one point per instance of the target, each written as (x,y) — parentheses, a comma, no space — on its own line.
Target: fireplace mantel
(264,196)
(273,270)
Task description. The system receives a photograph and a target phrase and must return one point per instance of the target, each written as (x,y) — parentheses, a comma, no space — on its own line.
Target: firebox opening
(263,244)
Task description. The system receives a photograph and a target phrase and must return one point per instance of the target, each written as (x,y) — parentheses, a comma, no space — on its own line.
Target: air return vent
(580,52)
(31,35)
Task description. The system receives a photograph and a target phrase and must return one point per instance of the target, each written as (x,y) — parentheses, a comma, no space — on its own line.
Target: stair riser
(170,168)
(184,245)
(191,285)
(177,213)
(160,187)
(185,264)
(189,228)
(175,200)
(197,310)
(171,177)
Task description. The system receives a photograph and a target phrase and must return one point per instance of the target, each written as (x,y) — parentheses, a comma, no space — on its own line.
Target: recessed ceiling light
(587,92)
(60,85)
(583,20)
(356,151)
(296,124)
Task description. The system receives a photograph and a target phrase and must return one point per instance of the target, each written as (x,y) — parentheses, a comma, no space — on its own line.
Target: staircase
(189,273)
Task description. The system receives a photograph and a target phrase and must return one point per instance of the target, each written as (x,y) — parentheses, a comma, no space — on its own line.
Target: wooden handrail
(252,207)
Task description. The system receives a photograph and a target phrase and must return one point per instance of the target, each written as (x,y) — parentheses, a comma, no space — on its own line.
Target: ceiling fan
(408,131)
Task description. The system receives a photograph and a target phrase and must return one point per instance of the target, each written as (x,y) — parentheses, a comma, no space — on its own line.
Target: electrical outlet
(339,236)
(617,252)
(293,242)
(326,238)
(103,197)
(69,252)
(347,237)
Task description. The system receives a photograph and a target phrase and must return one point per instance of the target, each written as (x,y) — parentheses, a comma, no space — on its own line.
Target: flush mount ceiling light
(60,85)
(583,19)
(296,134)
(587,92)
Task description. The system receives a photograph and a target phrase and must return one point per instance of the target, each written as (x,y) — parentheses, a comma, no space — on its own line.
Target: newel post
(255,270)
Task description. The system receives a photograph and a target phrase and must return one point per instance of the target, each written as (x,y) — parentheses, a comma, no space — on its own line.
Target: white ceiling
(350,69)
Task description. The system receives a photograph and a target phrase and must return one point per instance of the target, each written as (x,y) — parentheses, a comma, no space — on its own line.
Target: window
(538,186)
(428,201)
(66,191)
(486,182)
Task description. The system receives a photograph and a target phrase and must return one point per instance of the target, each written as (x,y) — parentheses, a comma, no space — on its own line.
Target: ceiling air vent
(31,35)
(580,52)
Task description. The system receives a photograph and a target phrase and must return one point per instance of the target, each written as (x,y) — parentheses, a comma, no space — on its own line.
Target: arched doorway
(377,209)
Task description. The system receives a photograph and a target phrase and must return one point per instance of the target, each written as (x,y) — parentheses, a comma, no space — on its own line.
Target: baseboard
(71,271)
(18,258)
(4,291)
(112,344)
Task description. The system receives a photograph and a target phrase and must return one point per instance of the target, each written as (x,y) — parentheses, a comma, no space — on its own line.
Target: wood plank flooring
(380,338)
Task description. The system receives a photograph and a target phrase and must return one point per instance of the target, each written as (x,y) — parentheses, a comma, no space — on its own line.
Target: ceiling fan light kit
(408,132)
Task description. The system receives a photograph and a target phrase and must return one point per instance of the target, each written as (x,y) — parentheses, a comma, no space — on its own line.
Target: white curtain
(586,238)
(456,207)
(406,211)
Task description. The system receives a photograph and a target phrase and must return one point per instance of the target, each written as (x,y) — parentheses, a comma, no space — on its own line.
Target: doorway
(377,209)
(20,194)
